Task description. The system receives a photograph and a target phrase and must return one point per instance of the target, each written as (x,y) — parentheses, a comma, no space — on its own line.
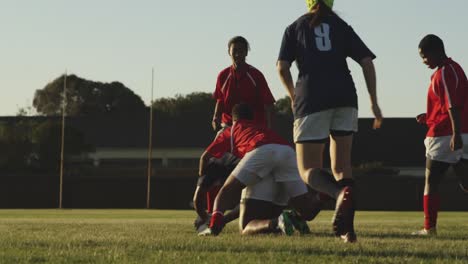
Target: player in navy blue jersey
(324,102)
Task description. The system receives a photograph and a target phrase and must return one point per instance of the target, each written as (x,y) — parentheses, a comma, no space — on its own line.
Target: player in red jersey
(265,156)
(447,121)
(215,174)
(239,83)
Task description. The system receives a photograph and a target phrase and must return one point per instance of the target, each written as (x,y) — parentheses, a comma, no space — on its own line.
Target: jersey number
(322,39)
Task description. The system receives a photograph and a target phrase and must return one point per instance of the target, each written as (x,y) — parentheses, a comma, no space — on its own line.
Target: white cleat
(425,232)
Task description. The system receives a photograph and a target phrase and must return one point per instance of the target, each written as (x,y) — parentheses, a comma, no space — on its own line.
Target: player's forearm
(199,201)
(286,77)
(454,114)
(203,160)
(217,111)
(368,69)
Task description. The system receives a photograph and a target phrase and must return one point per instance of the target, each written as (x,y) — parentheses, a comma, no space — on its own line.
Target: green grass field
(154,236)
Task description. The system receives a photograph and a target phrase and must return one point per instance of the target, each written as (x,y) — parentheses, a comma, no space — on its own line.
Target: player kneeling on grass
(262,209)
(447,120)
(210,181)
(264,154)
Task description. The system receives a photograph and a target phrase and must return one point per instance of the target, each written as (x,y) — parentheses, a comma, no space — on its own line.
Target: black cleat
(343,218)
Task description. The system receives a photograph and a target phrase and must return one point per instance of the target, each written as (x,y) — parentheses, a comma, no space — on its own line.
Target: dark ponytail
(321,12)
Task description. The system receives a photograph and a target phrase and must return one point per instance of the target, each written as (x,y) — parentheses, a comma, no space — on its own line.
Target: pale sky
(186,43)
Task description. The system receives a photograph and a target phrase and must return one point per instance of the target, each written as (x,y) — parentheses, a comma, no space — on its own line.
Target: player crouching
(268,162)
(210,181)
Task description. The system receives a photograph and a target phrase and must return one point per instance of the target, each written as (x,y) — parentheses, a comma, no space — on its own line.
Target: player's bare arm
(216,122)
(203,161)
(456,141)
(368,70)
(284,72)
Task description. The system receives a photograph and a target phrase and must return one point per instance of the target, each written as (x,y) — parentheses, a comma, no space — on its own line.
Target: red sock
(217,219)
(431,207)
(211,196)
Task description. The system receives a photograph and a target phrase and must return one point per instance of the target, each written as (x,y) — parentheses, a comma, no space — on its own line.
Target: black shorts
(218,170)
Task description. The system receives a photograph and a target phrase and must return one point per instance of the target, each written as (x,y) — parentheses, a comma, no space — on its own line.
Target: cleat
(425,232)
(343,218)
(200,224)
(285,224)
(206,232)
(299,224)
(349,237)
(211,231)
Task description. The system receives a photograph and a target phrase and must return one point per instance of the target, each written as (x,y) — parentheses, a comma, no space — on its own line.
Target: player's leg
(435,171)
(228,197)
(305,206)
(310,135)
(232,215)
(309,161)
(439,158)
(250,170)
(461,171)
(222,168)
(259,217)
(216,186)
(343,125)
(199,204)
(286,174)
(461,168)
(211,196)
(340,157)
(260,212)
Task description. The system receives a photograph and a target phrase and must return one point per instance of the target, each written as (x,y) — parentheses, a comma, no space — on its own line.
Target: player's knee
(338,170)
(309,173)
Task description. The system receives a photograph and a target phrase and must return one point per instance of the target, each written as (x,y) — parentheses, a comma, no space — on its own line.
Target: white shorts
(438,148)
(278,193)
(317,126)
(271,160)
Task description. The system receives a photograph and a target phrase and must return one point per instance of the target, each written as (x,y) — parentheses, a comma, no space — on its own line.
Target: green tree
(47,141)
(283,106)
(193,104)
(86,97)
(15,145)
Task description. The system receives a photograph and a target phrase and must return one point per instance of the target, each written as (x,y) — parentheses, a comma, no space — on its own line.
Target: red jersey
(448,89)
(243,137)
(247,85)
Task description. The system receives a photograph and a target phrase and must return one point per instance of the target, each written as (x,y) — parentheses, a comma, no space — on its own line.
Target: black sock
(346,182)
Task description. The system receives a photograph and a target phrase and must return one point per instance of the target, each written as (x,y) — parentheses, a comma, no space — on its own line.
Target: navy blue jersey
(324,80)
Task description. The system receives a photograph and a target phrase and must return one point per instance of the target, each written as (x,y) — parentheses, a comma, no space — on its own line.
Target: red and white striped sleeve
(450,85)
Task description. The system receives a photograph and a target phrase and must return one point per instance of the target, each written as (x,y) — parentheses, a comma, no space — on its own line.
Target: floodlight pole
(62,147)
(150,148)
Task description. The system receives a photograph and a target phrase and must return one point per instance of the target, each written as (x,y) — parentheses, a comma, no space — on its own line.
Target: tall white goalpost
(62,145)
(150,147)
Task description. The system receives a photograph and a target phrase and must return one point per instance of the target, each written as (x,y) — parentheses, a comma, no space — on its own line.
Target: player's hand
(456,142)
(421,119)
(292,103)
(215,124)
(378,116)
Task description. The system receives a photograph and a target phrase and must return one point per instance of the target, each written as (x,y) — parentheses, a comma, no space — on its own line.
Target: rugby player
(240,83)
(324,102)
(264,155)
(447,121)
